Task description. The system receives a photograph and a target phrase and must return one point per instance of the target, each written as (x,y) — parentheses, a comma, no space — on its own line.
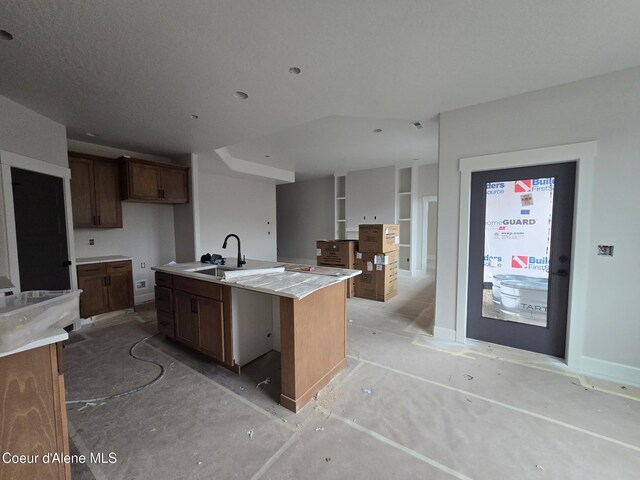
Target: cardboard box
(379,238)
(338,254)
(379,278)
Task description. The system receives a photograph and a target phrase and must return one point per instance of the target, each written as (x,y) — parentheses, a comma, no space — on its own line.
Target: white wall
(371,197)
(305,214)
(147,235)
(244,207)
(30,134)
(184,216)
(605,109)
(427,186)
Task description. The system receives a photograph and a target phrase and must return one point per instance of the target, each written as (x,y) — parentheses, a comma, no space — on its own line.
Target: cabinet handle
(195,306)
(104,281)
(162,191)
(93,220)
(164,323)
(159,193)
(99,220)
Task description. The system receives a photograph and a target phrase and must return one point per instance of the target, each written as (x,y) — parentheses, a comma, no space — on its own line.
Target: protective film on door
(517,242)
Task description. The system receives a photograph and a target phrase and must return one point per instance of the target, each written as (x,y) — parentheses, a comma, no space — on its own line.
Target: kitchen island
(236,315)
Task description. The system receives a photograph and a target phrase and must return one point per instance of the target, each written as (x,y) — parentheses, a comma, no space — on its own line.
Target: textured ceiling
(135,71)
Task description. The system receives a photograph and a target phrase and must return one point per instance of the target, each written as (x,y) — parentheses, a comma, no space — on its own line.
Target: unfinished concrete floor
(407,406)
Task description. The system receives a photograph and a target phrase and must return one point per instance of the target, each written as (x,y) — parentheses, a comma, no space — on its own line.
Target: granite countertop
(102,259)
(292,280)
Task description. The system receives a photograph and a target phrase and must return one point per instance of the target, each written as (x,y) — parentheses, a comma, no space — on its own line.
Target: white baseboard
(304,261)
(447,334)
(616,372)
(138,299)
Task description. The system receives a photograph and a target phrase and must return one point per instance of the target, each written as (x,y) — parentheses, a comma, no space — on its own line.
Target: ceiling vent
(418,125)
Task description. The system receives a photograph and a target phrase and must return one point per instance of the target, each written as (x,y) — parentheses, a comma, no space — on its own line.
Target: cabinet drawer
(92,270)
(164,299)
(119,267)
(166,324)
(164,279)
(198,287)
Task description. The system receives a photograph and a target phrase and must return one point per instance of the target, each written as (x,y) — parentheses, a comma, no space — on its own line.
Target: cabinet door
(143,181)
(92,281)
(82,198)
(173,184)
(184,318)
(107,194)
(210,328)
(120,295)
(33,416)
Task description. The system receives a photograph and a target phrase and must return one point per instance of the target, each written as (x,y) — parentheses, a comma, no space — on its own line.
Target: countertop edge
(48,337)
(101,259)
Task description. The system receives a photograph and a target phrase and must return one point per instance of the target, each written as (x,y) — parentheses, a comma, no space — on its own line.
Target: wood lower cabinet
(95,191)
(154,182)
(196,316)
(33,416)
(106,287)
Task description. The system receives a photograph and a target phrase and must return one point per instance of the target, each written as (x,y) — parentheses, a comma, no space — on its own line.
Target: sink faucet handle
(244,261)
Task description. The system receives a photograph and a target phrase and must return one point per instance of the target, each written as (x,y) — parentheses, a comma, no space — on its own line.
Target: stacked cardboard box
(338,254)
(377,257)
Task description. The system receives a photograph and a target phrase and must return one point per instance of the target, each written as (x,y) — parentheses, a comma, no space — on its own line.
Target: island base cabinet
(33,414)
(199,323)
(313,343)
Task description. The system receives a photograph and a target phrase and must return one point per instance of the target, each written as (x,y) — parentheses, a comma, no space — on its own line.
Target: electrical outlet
(143,265)
(92,241)
(141,284)
(606,250)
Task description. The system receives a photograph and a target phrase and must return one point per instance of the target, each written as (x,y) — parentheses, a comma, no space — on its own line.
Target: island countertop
(295,281)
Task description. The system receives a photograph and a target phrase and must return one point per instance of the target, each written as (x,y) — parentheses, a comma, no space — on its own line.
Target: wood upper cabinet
(33,414)
(105,287)
(145,181)
(95,192)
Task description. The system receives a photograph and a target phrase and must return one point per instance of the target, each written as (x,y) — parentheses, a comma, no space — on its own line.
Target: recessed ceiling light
(241,95)
(89,134)
(295,70)
(267,156)
(4,35)
(418,125)
(377,130)
(195,117)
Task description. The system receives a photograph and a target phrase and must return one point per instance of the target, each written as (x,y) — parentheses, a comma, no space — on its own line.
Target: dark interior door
(41,231)
(520,256)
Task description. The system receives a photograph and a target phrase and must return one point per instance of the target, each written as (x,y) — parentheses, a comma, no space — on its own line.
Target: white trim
(9,160)
(616,372)
(27,163)
(584,154)
(194,173)
(426,200)
(12,242)
(442,333)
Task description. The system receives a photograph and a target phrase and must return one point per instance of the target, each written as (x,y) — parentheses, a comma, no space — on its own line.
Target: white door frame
(9,160)
(584,155)
(426,200)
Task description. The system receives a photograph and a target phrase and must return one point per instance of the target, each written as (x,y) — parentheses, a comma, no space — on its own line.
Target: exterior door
(41,231)
(520,256)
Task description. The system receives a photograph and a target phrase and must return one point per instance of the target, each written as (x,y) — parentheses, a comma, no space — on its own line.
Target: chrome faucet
(241,260)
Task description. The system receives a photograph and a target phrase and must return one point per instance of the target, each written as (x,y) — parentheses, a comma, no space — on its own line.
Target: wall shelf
(405,212)
(340,212)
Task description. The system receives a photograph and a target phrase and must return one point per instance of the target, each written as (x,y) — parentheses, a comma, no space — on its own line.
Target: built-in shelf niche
(340,189)
(405,180)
